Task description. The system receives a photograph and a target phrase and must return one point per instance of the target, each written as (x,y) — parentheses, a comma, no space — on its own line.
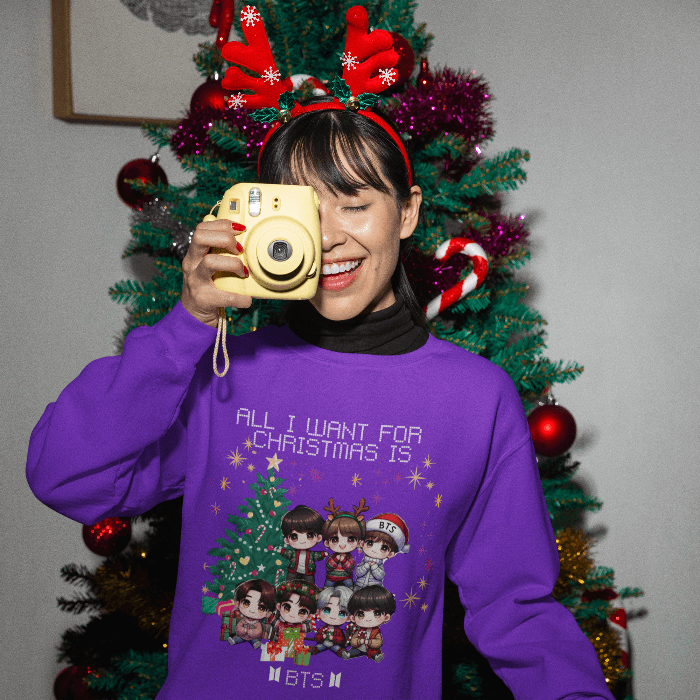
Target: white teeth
(334,268)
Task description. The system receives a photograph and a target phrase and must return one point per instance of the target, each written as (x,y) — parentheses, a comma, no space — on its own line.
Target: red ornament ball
(407,59)
(553,430)
(211,95)
(70,684)
(107,537)
(148,172)
(425,78)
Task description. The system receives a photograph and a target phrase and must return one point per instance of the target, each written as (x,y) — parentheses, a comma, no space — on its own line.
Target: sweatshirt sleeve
(505,562)
(113,442)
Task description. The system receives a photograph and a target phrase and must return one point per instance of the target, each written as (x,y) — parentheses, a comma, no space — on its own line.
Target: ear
(410,210)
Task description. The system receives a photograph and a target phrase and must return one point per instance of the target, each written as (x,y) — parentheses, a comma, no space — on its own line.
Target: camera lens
(279,250)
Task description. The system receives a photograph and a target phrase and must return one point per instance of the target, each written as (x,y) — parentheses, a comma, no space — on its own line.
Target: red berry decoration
(70,684)
(209,95)
(147,171)
(407,60)
(107,537)
(553,429)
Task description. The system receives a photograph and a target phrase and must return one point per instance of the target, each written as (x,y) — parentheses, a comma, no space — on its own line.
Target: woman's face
(360,237)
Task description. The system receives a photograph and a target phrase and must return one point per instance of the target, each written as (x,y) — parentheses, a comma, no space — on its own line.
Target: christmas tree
(445,121)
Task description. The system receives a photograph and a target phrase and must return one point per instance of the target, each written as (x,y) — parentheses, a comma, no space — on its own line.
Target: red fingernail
(245,271)
(237,227)
(239,247)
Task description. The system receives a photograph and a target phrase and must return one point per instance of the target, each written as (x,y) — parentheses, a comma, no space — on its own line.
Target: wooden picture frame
(175,77)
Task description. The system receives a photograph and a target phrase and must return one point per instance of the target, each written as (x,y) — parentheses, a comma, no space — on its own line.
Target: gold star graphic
(236,458)
(356,480)
(248,444)
(427,463)
(424,607)
(411,599)
(438,500)
(422,583)
(251,468)
(415,478)
(225,484)
(274,463)
(205,589)
(429,485)
(216,509)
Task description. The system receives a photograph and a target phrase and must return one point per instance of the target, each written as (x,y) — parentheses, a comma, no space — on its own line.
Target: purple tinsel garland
(191,137)
(455,103)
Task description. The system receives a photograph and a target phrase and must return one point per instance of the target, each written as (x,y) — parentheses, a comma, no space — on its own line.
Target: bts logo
(294,677)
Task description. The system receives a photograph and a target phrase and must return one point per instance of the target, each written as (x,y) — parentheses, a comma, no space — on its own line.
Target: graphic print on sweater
(293,582)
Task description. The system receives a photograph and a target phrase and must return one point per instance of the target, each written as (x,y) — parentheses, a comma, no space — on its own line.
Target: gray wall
(605,96)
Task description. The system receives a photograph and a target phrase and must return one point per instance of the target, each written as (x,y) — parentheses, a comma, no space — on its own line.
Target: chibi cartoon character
(296,604)
(253,608)
(369,608)
(342,533)
(387,535)
(333,612)
(301,528)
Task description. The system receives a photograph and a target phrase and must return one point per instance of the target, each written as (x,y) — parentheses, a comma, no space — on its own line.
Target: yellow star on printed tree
(415,478)
(248,444)
(225,484)
(274,463)
(427,463)
(205,589)
(411,599)
(356,480)
(236,458)
(438,500)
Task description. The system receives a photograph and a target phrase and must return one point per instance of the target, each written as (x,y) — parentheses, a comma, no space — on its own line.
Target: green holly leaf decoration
(368,100)
(287,101)
(265,115)
(341,90)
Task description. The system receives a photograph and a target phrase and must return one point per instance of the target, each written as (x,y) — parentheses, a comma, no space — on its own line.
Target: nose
(332,233)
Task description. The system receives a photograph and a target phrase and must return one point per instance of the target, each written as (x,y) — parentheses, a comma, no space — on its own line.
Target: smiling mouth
(337,268)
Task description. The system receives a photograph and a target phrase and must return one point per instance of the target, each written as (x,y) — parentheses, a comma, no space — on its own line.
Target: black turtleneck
(390,331)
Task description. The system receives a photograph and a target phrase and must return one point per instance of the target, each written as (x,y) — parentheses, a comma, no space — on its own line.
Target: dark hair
(346,524)
(372,598)
(302,519)
(313,145)
(305,601)
(266,590)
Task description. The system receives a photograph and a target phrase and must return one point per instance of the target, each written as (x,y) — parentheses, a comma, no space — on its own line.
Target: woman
(359,401)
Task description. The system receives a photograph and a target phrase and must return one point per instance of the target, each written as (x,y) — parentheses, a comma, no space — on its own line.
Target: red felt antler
(366,54)
(257,57)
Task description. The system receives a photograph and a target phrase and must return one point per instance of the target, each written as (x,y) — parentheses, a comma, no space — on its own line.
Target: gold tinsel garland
(576,561)
(123,591)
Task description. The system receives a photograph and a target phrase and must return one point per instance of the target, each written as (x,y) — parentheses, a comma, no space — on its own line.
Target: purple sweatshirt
(436,443)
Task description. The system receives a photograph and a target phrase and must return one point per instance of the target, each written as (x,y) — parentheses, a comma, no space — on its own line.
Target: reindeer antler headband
(368,67)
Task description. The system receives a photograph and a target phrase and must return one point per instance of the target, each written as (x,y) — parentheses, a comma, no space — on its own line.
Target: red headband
(366,53)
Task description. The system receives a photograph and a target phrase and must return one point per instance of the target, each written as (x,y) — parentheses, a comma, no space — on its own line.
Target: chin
(336,308)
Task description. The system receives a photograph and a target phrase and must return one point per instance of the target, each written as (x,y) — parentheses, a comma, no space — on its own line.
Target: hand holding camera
(265,242)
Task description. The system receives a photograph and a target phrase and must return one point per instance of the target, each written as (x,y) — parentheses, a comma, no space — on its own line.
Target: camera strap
(221,340)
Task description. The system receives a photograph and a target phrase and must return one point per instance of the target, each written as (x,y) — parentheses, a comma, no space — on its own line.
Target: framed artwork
(126,61)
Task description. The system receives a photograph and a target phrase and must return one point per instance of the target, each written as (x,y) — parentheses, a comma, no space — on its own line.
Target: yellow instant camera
(281,243)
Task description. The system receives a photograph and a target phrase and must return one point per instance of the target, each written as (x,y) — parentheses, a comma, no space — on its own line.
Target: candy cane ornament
(261,534)
(480,266)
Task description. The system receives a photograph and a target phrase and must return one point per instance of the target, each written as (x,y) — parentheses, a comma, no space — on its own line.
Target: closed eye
(360,208)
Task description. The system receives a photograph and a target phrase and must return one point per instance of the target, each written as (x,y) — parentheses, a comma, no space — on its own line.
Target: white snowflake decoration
(349,61)
(236,101)
(271,75)
(388,75)
(249,15)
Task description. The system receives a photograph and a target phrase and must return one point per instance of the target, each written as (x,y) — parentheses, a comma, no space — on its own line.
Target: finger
(216,262)
(215,234)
